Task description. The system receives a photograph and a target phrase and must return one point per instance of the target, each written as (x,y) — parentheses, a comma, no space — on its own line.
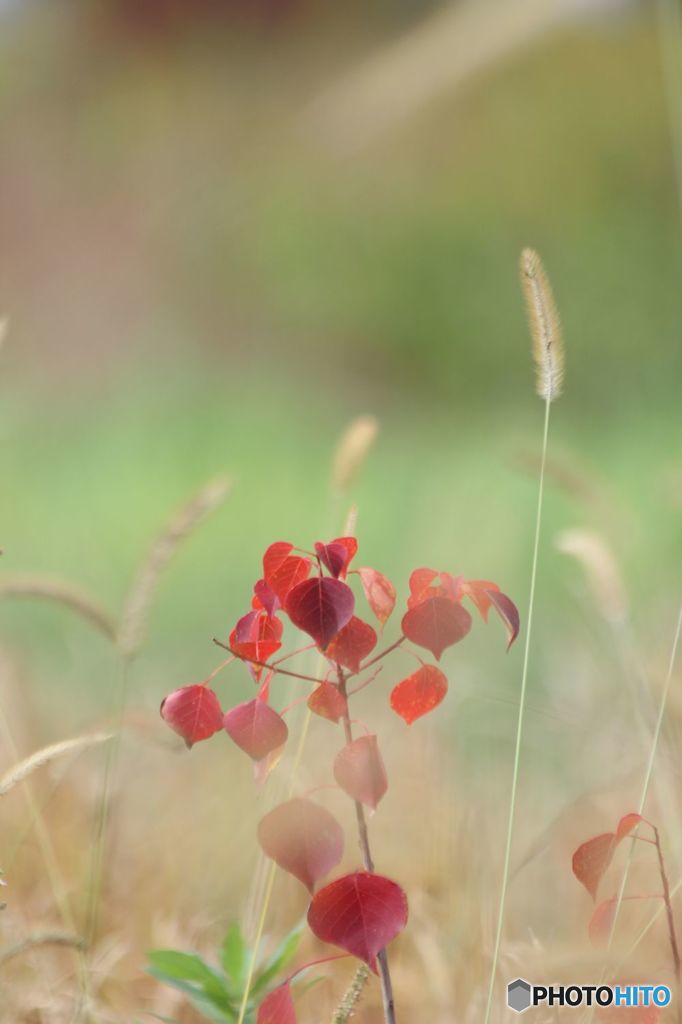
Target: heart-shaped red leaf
(436,623)
(320,607)
(274,556)
(359,770)
(361,913)
(337,555)
(419,693)
(352,644)
(508,612)
(194,712)
(290,573)
(256,637)
(327,702)
(256,728)
(277,1007)
(592,859)
(303,838)
(380,593)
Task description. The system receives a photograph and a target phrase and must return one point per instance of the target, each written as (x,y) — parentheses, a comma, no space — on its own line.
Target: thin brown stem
(668,908)
(267,665)
(382,654)
(363,835)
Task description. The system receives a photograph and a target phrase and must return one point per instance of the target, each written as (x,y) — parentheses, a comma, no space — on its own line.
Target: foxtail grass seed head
(601,569)
(545,329)
(352,451)
(4,323)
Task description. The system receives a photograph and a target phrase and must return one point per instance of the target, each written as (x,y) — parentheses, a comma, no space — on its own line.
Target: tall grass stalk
(548,354)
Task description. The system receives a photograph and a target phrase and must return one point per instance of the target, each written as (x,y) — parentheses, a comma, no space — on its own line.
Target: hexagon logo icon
(518,995)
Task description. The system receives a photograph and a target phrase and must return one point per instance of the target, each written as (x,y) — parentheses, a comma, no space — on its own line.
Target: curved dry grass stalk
(40,939)
(596,558)
(20,771)
(449,47)
(133,623)
(43,588)
(352,451)
(545,329)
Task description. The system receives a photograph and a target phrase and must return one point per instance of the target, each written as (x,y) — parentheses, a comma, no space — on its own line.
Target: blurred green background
(217,250)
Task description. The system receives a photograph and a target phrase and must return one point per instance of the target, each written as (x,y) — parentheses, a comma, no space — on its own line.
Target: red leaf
(352,644)
(282,570)
(627,823)
(291,572)
(508,612)
(361,913)
(419,693)
(436,623)
(592,859)
(328,702)
(277,1007)
(422,586)
(359,770)
(194,712)
(601,921)
(265,597)
(479,592)
(379,591)
(303,838)
(256,637)
(256,728)
(337,555)
(274,556)
(321,607)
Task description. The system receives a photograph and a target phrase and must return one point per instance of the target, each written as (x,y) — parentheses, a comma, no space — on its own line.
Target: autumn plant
(592,860)
(363,911)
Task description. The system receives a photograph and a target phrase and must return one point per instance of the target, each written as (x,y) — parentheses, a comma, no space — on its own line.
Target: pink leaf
(320,607)
(359,770)
(352,644)
(379,591)
(303,838)
(256,728)
(264,597)
(601,921)
(282,571)
(592,859)
(327,702)
(194,712)
(361,913)
(627,823)
(275,556)
(419,693)
(479,592)
(436,623)
(423,586)
(277,1007)
(337,555)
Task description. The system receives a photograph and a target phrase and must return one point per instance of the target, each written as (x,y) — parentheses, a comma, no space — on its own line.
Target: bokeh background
(230,227)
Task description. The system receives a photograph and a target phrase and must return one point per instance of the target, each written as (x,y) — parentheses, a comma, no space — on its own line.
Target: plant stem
(519,724)
(267,665)
(363,835)
(345,1009)
(668,907)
